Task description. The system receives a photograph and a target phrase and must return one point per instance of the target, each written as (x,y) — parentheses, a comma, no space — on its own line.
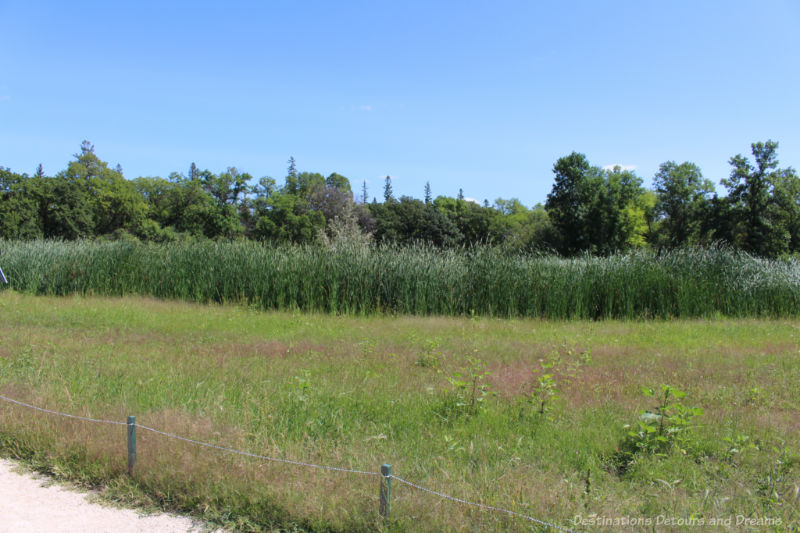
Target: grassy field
(362,280)
(529,415)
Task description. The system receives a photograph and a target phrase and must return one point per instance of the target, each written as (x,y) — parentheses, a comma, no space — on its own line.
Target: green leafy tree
(227,188)
(573,202)
(113,201)
(474,223)
(285,214)
(308,182)
(510,207)
(571,199)
(67,210)
(787,199)
(255,204)
(286,218)
(21,199)
(521,229)
(339,182)
(755,206)
(158,193)
(594,210)
(639,221)
(682,203)
(193,209)
(410,220)
(621,214)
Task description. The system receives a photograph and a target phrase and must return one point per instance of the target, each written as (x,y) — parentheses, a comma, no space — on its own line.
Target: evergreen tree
(461,194)
(428,192)
(292,181)
(39,171)
(387,190)
(364,192)
(86,148)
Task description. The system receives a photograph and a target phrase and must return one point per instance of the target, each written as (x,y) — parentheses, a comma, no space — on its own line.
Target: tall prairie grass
(698,282)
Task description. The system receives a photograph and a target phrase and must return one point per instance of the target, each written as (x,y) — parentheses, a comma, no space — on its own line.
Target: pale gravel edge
(96,499)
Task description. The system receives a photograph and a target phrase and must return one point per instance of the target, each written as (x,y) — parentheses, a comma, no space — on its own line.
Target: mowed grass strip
(416,280)
(357,392)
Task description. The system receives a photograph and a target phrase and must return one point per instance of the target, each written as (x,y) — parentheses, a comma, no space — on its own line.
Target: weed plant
(669,424)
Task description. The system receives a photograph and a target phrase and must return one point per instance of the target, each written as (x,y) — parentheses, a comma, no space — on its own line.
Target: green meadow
(547,418)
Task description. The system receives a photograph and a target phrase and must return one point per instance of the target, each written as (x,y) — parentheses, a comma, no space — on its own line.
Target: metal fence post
(386,489)
(131,444)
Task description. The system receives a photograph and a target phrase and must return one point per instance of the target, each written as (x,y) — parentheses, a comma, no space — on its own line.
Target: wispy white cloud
(366,107)
(621,166)
(473,200)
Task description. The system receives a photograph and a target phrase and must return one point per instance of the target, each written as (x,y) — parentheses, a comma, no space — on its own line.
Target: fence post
(386,489)
(131,444)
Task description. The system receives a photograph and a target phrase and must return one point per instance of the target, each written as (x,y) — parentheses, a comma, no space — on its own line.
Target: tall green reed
(421,280)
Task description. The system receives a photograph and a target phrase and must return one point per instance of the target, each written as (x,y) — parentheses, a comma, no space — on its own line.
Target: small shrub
(543,388)
(658,431)
(544,394)
(300,388)
(737,444)
(467,390)
(430,357)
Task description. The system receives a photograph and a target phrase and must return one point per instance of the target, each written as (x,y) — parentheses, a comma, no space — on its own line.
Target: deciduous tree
(682,202)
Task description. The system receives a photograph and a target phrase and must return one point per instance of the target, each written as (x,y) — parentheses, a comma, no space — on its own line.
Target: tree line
(589,209)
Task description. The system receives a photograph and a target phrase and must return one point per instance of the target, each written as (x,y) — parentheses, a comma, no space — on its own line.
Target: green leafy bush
(467,390)
(658,431)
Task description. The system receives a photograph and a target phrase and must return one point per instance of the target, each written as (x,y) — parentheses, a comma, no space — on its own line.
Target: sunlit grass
(358,392)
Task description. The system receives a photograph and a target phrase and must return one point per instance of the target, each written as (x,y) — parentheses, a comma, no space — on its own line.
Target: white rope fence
(85,418)
(256,456)
(291,462)
(481,505)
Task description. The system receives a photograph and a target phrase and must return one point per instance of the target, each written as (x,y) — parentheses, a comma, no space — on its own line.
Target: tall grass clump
(360,279)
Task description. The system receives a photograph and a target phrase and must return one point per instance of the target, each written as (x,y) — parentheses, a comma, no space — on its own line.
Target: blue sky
(483,96)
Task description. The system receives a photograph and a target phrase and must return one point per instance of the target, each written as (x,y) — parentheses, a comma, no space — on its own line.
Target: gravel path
(29,503)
